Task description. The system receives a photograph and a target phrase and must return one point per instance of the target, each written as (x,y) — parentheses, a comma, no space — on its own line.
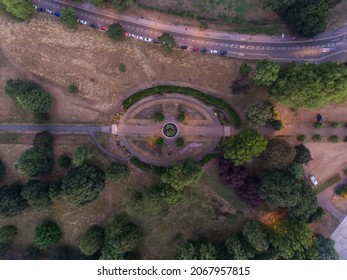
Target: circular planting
(170,130)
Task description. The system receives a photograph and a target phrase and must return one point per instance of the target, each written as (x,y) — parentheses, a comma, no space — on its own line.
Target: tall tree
(46,235)
(92,241)
(82,155)
(256,236)
(266,72)
(68,17)
(235,248)
(117,172)
(11,201)
(303,154)
(278,154)
(196,251)
(311,85)
(258,114)
(243,147)
(36,192)
(115,31)
(20,9)
(167,41)
(326,249)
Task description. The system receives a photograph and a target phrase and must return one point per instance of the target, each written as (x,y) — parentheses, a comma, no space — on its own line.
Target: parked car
(313,180)
(83,22)
(35,7)
(94,25)
(49,11)
(183,47)
(319,118)
(213,51)
(203,50)
(155,41)
(195,49)
(57,14)
(149,40)
(42,10)
(105,28)
(222,53)
(141,38)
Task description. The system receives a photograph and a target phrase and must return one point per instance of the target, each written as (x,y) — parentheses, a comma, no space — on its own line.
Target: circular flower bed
(170,130)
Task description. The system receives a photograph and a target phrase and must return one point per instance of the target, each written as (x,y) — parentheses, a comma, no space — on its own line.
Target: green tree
(46,235)
(167,41)
(203,25)
(278,5)
(72,88)
(98,2)
(7,233)
(278,154)
(258,114)
(244,69)
(82,155)
(290,237)
(64,161)
(303,155)
(181,176)
(311,85)
(36,102)
(55,191)
(186,251)
(92,241)
(36,193)
(235,248)
(196,251)
(68,17)
(115,31)
(36,161)
(266,72)
(112,251)
(122,5)
(256,236)
(2,170)
(117,172)
(243,147)
(326,249)
(44,139)
(82,185)
(11,201)
(21,9)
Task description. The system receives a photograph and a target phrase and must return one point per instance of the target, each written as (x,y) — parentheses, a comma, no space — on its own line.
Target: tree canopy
(266,72)
(311,85)
(82,155)
(11,201)
(7,233)
(21,9)
(181,176)
(68,17)
(46,235)
(36,161)
(278,154)
(36,193)
(44,139)
(258,114)
(326,249)
(82,185)
(196,251)
(256,236)
(122,5)
(244,69)
(167,41)
(115,31)
(117,172)
(243,147)
(92,241)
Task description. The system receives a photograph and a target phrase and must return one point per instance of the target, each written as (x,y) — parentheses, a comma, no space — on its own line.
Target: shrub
(159,141)
(316,138)
(179,142)
(147,167)
(72,88)
(121,68)
(7,233)
(158,117)
(203,25)
(46,235)
(82,154)
(318,125)
(276,124)
(64,161)
(335,124)
(92,241)
(54,191)
(11,201)
(36,193)
(181,117)
(117,172)
(40,118)
(244,69)
(115,31)
(301,137)
(44,139)
(334,139)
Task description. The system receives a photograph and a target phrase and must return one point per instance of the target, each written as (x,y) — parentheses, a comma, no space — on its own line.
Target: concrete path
(340,238)
(57,128)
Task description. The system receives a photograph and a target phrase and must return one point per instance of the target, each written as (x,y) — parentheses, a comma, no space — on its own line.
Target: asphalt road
(329,46)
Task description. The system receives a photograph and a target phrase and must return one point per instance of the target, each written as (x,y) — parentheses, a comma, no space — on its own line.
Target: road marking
(260,47)
(331,44)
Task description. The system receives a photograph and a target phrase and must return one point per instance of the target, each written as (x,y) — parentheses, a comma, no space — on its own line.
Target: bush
(36,193)
(244,69)
(11,201)
(54,191)
(147,167)
(72,88)
(316,138)
(43,139)
(203,25)
(158,117)
(7,233)
(335,124)
(301,137)
(46,235)
(40,118)
(82,155)
(92,241)
(121,68)
(318,125)
(117,172)
(179,142)
(35,102)
(208,99)
(181,117)
(159,141)
(64,161)
(334,139)
(115,31)
(276,124)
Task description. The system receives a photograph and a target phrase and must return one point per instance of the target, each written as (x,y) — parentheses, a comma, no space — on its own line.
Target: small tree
(266,72)
(44,139)
(82,154)
(276,124)
(316,138)
(46,235)
(72,88)
(68,17)
(334,139)
(7,233)
(122,68)
(36,193)
(158,117)
(167,41)
(301,137)
(203,25)
(179,142)
(303,155)
(278,154)
(181,117)
(36,161)
(117,172)
(115,31)
(11,201)
(244,69)
(92,241)
(54,191)
(258,114)
(159,141)
(112,251)
(35,102)
(64,161)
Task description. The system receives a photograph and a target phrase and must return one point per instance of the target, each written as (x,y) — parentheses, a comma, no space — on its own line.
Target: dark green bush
(46,235)
(335,124)
(301,137)
(147,167)
(159,141)
(44,139)
(316,138)
(72,88)
(7,233)
(276,124)
(334,139)
(117,172)
(179,142)
(318,125)
(122,68)
(64,161)
(158,117)
(181,117)
(207,158)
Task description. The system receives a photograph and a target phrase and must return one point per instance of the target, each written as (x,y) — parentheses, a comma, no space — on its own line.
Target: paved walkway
(340,238)
(57,128)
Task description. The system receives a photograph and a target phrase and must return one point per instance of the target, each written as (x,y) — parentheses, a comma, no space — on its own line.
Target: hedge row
(208,99)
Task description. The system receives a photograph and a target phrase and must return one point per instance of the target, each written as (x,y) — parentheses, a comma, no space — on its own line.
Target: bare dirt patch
(337,15)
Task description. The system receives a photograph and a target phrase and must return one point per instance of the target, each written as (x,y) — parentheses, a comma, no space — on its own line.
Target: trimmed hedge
(147,167)
(207,158)
(208,99)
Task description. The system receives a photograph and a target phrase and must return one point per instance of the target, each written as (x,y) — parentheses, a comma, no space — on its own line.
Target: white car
(213,51)
(81,21)
(35,7)
(149,40)
(49,11)
(141,38)
(313,180)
